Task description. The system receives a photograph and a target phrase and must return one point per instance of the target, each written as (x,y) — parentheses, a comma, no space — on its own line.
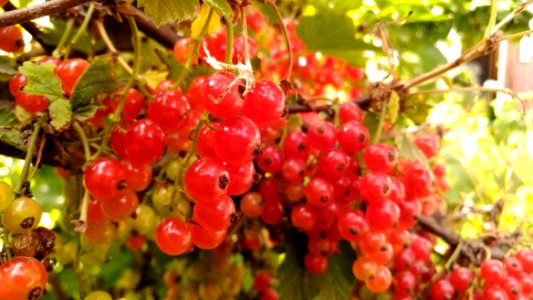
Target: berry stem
(379,129)
(115,117)
(105,37)
(188,60)
(29,155)
(245,40)
(84,140)
(81,30)
(63,40)
(229,40)
(285,36)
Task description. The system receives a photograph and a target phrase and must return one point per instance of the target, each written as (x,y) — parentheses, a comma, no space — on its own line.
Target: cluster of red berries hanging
(23,271)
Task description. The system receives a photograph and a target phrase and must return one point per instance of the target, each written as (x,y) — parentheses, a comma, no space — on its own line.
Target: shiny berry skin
(293,170)
(416,180)
(251,204)
(364,267)
(206,180)
(169,110)
(144,142)
(194,93)
(375,187)
(271,159)
(494,292)
(405,283)
(206,140)
(22,278)
(353,137)
(173,236)
(133,104)
(206,239)
(350,112)
(237,141)
(121,206)
(352,225)
(214,215)
(372,242)
(296,145)
(422,248)
(182,48)
(319,192)
(116,141)
(241,178)
(11,39)
(428,144)
(442,289)
(16,84)
(315,263)
(304,216)
(264,103)
(22,215)
(493,271)
(322,135)
(137,177)
(31,103)
(526,258)
(102,177)
(333,164)
(513,266)
(382,215)
(512,286)
(219,99)
(381,281)
(6,195)
(70,71)
(381,158)
(272,211)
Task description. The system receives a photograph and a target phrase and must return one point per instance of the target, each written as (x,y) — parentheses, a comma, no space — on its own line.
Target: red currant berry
(304,216)
(381,158)
(264,103)
(350,112)
(103,176)
(237,141)
(11,39)
(137,177)
(70,71)
(221,99)
(352,225)
(296,145)
(319,192)
(173,236)
(214,215)
(271,159)
(322,135)
(169,110)
(22,278)
(241,178)
(144,142)
(315,263)
(493,272)
(120,206)
(206,180)
(353,137)
(206,239)
(381,281)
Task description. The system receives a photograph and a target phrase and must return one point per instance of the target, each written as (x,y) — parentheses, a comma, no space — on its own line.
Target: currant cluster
(510,279)
(23,271)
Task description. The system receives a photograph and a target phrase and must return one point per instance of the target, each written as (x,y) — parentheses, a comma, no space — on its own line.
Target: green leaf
(42,80)
(297,284)
(174,67)
(332,34)
(12,137)
(416,108)
(8,68)
(98,79)
(337,282)
(221,7)
(407,149)
(7,117)
(164,11)
(86,112)
(393,107)
(61,113)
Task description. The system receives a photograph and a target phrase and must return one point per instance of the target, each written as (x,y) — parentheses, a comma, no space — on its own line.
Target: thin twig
(29,155)
(81,30)
(39,157)
(36,11)
(285,36)
(105,37)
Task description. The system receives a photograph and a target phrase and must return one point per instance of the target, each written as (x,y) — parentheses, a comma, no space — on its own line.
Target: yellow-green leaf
(221,7)
(165,11)
(393,107)
(199,23)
